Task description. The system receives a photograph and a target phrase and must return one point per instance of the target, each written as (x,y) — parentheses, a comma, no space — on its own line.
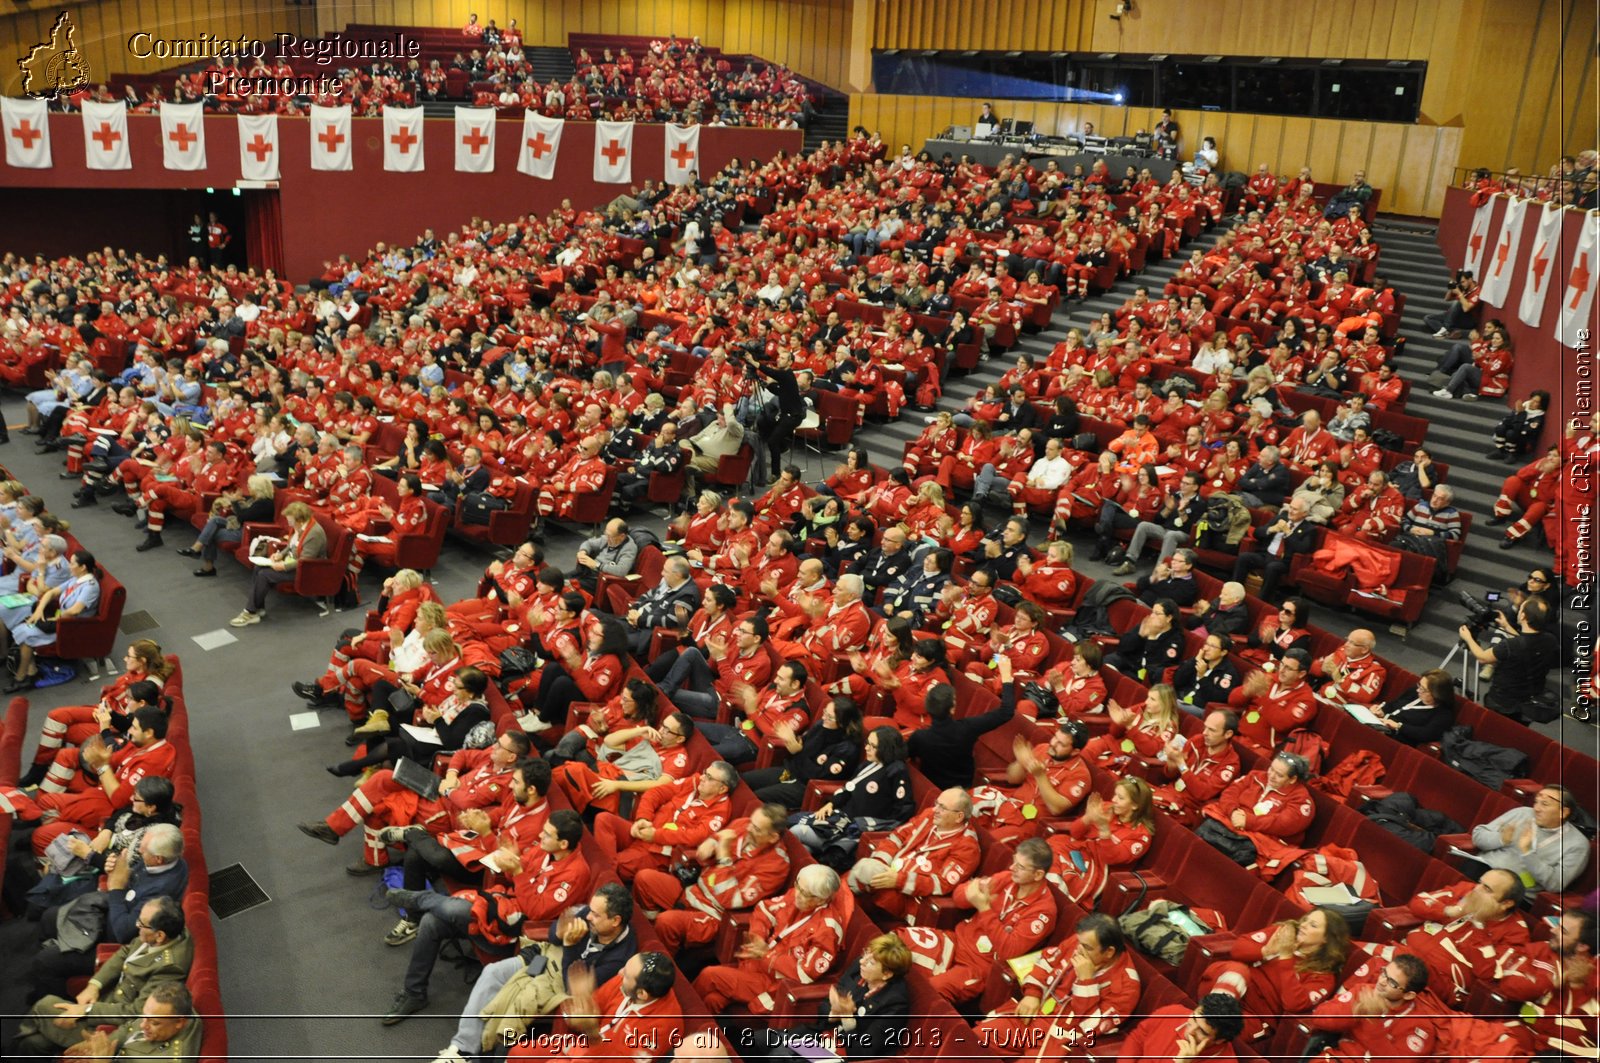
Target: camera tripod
(1470,679)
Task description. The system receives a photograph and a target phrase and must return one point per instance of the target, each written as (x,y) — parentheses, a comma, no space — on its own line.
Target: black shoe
(83,499)
(30,431)
(1116,555)
(204,573)
(354,739)
(151,542)
(343,770)
(35,776)
(125,508)
(318,830)
(404,1007)
(1496,521)
(188,551)
(310,691)
(24,683)
(400,898)
(361,867)
(1101,547)
(1507,543)
(68,475)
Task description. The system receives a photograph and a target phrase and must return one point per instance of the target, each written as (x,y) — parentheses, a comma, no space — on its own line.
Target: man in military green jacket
(162,952)
(168,1028)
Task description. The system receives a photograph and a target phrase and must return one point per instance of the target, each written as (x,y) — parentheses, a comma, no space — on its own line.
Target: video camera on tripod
(1482,613)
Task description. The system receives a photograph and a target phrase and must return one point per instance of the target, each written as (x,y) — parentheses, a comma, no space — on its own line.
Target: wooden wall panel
(1411,163)
(1000,25)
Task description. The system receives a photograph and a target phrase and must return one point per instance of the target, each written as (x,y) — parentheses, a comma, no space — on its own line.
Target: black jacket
(883,1020)
(1269,485)
(1199,691)
(606,961)
(943,749)
(1147,659)
(878,570)
(1420,725)
(885,794)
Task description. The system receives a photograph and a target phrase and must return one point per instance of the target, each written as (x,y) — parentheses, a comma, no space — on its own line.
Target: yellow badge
(985,946)
(1047,1008)
(1252,717)
(748,725)
(1127,745)
(1030,812)
(1178,785)
(669,826)
(1263,807)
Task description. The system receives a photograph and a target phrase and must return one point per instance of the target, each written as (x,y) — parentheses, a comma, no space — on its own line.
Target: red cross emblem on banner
(106,136)
(682,156)
(27,134)
(1578,281)
(331,137)
(539,146)
(181,136)
(403,140)
(260,147)
(613,151)
(475,140)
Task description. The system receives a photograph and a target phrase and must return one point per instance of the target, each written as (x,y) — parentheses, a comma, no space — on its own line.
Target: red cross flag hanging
(1478,238)
(475,139)
(402,139)
(105,136)
(183,136)
(26,128)
(613,153)
(258,147)
(683,154)
(1504,258)
(541,139)
(330,138)
(1541,265)
(1577,299)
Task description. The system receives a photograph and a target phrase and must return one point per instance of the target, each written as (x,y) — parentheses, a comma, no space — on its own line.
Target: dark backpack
(477,505)
(1486,762)
(1400,815)
(1388,439)
(1094,612)
(643,537)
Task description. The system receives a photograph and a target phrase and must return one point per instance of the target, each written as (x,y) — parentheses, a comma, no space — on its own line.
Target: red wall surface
(1541,360)
(326,214)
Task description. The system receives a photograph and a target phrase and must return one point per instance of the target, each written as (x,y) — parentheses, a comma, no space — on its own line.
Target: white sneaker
(532,723)
(1441,334)
(450,1054)
(245,619)
(323,608)
(404,931)
(1444,393)
(392,835)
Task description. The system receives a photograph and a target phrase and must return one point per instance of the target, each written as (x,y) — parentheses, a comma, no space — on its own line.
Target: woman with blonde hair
(307,542)
(1110,834)
(229,514)
(1144,731)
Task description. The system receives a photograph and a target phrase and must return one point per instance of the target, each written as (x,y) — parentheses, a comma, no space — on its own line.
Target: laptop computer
(960,132)
(416,778)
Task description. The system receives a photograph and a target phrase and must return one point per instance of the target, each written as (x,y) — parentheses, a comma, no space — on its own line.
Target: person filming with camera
(1521,662)
(1461,299)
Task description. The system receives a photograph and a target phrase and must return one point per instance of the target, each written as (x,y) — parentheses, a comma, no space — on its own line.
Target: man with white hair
(836,629)
(928,856)
(795,939)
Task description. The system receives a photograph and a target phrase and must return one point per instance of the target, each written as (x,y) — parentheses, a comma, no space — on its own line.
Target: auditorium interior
(1200,388)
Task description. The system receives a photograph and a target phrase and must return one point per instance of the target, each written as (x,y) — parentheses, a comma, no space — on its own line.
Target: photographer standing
(1461,299)
(1521,662)
(782,415)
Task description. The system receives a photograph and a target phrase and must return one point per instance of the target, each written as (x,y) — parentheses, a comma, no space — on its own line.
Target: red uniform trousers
(161,497)
(1514,496)
(360,677)
(1037,498)
(576,781)
(381,802)
(629,855)
(722,985)
(82,811)
(70,725)
(678,928)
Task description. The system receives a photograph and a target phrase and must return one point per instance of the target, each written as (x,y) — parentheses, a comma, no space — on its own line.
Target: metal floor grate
(137,621)
(234,891)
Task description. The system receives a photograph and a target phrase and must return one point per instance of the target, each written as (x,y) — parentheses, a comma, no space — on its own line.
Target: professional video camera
(1482,613)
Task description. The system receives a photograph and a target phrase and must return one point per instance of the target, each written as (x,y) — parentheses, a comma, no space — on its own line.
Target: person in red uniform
(1082,989)
(1271,807)
(1178,1032)
(116,772)
(744,864)
(927,856)
(476,778)
(1282,970)
(634,1014)
(1204,766)
(1353,672)
(1015,911)
(582,475)
(1372,511)
(1042,783)
(1389,1014)
(1272,705)
(1530,490)
(669,822)
(1555,983)
(1109,834)
(1468,929)
(796,938)
(70,726)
